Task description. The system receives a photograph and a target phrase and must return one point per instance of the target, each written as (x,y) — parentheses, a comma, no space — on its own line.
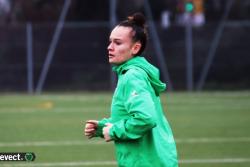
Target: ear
(136,47)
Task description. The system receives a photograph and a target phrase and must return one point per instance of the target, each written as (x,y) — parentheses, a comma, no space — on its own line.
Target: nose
(110,46)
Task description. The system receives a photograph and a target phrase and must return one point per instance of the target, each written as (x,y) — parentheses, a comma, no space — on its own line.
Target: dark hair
(137,23)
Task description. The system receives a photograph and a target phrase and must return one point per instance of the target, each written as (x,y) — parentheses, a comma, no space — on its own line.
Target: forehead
(120,32)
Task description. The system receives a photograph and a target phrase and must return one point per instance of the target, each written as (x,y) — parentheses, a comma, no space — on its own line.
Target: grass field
(210,128)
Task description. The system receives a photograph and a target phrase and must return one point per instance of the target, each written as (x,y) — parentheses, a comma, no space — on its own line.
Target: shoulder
(135,74)
(135,77)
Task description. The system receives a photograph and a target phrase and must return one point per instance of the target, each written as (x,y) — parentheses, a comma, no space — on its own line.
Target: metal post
(214,45)
(189,61)
(52,48)
(113,21)
(29,58)
(157,45)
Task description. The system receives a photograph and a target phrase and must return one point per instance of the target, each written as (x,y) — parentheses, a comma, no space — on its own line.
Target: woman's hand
(105,132)
(90,128)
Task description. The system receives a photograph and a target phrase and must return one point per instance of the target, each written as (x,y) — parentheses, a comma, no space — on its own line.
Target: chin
(112,61)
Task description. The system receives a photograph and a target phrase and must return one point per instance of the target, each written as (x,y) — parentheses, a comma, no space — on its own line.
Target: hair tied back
(137,19)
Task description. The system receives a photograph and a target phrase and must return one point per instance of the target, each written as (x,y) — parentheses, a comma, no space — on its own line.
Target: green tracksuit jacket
(141,133)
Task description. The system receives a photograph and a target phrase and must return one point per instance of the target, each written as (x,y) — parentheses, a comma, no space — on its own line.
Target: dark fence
(80,59)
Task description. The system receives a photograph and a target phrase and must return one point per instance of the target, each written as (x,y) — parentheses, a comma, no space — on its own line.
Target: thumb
(95,122)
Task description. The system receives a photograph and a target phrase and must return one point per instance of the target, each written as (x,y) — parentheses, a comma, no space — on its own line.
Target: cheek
(121,50)
(123,55)
(124,52)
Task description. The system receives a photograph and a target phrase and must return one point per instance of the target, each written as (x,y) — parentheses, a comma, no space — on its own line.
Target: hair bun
(138,19)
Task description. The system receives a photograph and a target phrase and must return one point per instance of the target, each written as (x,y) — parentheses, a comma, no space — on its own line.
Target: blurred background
(60,45)
(58,48)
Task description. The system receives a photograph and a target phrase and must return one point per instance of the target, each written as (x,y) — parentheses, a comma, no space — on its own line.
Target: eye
(117,42)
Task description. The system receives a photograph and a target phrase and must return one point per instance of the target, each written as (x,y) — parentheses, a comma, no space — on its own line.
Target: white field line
(100,142)
(108,163)
(84,163)
(215,161)
(56,109)
(50,143)
(214,140)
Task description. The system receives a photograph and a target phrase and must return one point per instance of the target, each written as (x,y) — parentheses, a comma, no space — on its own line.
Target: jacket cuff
(100,126)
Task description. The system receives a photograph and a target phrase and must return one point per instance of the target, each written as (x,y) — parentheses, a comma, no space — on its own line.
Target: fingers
(105,132)
(90,128)
(89,132)
(94,122)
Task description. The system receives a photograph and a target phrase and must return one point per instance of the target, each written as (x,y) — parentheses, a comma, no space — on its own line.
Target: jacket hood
(152,71)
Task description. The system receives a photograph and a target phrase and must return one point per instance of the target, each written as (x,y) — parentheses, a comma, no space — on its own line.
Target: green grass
(207,126)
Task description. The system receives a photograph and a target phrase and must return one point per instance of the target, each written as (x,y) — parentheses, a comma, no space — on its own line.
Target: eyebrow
(115,39)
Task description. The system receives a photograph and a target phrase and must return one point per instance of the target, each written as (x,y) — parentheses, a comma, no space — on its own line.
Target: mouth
(111,56)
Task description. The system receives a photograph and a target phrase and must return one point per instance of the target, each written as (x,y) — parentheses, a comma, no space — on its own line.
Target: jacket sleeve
(139,104)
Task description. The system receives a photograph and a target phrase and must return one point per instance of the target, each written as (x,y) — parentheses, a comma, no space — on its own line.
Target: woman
(137,125)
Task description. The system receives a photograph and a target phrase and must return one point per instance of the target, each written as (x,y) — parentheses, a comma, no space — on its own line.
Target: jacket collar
(120,68)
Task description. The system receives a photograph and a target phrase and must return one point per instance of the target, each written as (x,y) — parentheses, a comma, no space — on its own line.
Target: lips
(111,56)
